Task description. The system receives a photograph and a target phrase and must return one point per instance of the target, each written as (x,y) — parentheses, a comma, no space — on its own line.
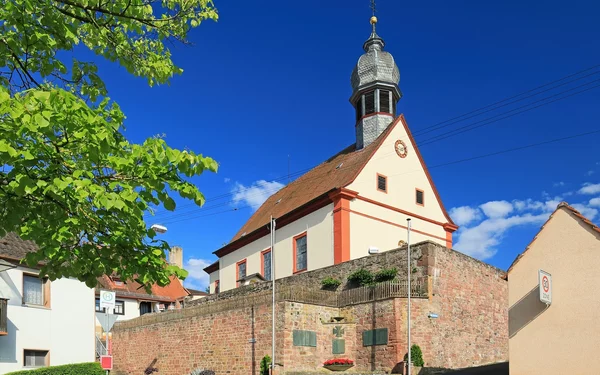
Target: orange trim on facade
(262,261)
(295,270)
(377,183)
(449,240)
(341,224)
(237,270)
(422,194)
(396,225)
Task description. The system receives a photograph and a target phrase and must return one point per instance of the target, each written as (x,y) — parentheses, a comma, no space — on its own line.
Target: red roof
(336,172)
(131,289)
(575,213)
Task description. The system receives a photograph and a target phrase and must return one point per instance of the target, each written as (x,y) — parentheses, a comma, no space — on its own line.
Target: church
(355,203)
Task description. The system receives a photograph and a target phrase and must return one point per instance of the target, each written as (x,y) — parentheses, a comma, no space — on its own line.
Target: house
(132,299)
(563,336)
(42,322)
(355,203)
(196,294)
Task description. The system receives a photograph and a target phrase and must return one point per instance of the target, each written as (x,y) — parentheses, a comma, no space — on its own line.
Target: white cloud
(496,209)
(558,184)
(226,179)
(481,241)
(595,202)
(255,194)
(532,205)
(464,215)
(589,188)
(197,278)
(589,173)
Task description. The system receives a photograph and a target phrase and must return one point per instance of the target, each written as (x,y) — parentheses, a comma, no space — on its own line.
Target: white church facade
(357,200)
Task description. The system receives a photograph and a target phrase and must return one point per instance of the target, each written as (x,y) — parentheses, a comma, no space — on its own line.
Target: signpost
(107,301)
(545,286)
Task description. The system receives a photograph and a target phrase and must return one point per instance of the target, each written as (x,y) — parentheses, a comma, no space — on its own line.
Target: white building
(355,202)
(45,322)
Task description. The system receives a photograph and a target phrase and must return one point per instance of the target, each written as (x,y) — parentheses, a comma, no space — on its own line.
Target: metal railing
(364,294)
(3,316)
(100,348)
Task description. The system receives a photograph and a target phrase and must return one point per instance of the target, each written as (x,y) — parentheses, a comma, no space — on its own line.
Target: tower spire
(374,40)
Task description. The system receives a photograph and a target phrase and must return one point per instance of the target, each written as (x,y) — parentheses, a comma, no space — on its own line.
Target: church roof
(312,188)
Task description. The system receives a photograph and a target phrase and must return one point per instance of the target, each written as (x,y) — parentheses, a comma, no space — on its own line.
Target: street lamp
(159,228)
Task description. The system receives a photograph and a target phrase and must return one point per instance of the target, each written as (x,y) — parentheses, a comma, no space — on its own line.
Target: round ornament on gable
(401,149)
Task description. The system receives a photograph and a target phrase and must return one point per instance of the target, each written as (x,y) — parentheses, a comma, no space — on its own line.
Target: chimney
(176,256)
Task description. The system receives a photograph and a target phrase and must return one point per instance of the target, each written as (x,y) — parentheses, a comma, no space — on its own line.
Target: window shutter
(382,183)
(384,101)
(369,102)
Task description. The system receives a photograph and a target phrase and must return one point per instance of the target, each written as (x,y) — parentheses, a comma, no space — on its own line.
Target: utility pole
(272,225)
(409,273)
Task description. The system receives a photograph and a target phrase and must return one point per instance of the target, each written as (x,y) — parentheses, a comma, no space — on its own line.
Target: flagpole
(273,294)
(409,273)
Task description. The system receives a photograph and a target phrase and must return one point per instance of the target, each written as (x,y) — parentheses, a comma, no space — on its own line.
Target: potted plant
(338,364)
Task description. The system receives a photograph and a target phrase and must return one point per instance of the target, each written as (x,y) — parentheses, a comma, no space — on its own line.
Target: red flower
(338,361)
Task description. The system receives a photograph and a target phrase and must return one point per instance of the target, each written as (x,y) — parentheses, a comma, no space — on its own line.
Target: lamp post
(409,272)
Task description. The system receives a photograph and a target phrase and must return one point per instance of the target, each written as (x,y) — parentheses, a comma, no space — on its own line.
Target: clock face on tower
(401,149)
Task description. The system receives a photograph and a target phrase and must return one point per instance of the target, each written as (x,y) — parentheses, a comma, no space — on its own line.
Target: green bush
(416,356)
(386,274)
(265,364)
(75,369)
(330,283)
(361,277)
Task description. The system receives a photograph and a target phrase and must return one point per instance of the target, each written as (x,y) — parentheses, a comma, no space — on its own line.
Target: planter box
(338,367)
(414,369)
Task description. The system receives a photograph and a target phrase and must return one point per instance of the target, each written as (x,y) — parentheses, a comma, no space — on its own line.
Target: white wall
(66,329)
(319,228)
(132,310)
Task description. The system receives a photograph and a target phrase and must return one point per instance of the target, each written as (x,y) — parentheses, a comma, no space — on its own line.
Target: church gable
(396,175)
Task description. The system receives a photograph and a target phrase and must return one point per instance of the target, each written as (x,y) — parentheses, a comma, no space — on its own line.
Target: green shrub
(330,283)
(416,356)
(75,369)
(265,364)
(361,277)
(386,274)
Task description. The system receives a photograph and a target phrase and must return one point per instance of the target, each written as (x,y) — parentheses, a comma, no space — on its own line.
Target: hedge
(75,369)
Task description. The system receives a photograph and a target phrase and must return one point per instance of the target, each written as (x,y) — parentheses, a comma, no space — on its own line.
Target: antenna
(373,7)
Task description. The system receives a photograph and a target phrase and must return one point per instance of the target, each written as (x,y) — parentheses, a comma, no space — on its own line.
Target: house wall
(319,228)
(66,329)
(212,279)
(564,337)
(132,310)
(404,176)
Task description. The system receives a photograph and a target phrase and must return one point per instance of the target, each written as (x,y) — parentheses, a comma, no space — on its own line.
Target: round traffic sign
(545,283)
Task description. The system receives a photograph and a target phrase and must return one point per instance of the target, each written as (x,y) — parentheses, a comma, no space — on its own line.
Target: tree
(69,179)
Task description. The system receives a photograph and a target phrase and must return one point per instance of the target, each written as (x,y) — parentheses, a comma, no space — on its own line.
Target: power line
(512,149)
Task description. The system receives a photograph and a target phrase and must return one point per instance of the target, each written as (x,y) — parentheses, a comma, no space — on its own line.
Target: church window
(384,101)
(359,105)
(420,198)
(300,253)
(241,271)
(369,102)
(381,183)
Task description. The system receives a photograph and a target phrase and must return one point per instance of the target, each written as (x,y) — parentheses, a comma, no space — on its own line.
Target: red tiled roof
(337,172)
(131,289)
(566,206)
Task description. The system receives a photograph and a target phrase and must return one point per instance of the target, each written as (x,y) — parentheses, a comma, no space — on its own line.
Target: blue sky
(270,82)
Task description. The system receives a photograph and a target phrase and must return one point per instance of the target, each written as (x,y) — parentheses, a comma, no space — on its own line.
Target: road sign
(107,299)
(106,320)
(106,361)
(545,281)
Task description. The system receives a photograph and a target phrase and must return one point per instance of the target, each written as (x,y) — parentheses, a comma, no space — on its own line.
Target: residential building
(355,203)
(563,336)
(196,294)
(42,322)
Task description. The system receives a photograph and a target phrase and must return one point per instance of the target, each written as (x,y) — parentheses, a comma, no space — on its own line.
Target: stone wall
(469,297)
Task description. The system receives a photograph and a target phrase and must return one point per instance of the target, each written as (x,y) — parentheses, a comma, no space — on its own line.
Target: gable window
(119,308)
(241,271)
(35,358)
(36,290)
(300,253)
(420,197)
(266,264)
(381,183)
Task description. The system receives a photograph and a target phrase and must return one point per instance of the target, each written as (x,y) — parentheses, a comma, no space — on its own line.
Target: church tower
(375,90)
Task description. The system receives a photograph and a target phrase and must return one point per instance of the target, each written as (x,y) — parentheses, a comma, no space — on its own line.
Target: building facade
(47,322)
(353,204)
(562,337)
